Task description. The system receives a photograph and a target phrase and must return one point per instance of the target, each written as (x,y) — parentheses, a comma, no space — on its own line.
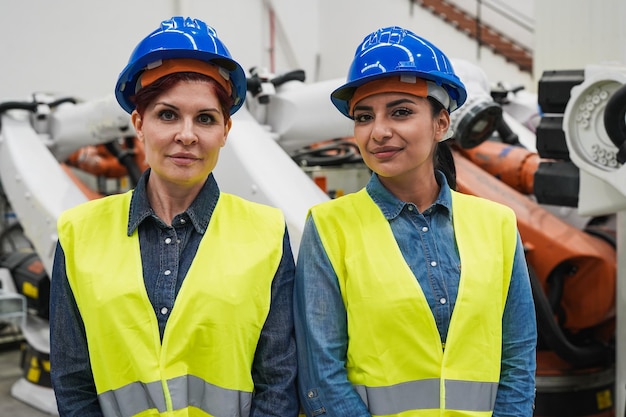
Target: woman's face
(183,130)
(397,134)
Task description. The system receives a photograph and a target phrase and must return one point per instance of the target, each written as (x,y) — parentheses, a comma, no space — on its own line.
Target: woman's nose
(380,130)
(186,134)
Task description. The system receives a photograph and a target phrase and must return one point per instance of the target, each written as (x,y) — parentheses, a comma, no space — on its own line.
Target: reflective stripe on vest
(205,359)
(395,358)
(424,394)
(186,391)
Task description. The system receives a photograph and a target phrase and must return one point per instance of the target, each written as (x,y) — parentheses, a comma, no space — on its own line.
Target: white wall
(77,47)
(572,33)
(72,47)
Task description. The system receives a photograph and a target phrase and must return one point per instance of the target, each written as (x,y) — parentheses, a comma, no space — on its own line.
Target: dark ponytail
(444,162)
(443,159)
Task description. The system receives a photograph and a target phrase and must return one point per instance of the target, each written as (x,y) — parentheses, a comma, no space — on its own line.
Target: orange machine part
(514,165)
(97,160)
(588,297)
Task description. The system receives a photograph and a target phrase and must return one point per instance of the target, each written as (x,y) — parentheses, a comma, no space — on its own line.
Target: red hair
(148,94)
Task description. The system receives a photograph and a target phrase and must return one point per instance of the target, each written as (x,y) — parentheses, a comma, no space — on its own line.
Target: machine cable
(126,157)
(595,353)
(335,152)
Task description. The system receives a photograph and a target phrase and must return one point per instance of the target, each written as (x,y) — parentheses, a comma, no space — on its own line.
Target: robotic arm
(595,131)
(35,138)
(36,186)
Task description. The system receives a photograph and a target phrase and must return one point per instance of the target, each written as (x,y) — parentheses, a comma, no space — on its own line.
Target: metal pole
(620,380)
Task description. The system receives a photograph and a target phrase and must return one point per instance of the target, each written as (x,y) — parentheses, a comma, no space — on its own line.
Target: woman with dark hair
(411,299)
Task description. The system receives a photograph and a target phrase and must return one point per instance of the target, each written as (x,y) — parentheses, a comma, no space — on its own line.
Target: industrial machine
(290,148)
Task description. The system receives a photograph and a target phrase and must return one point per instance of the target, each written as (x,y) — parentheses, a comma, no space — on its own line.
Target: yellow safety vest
(203,365)
(395,358)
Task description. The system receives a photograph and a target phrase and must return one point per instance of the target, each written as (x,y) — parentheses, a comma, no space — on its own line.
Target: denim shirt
(274,367)
(321,320)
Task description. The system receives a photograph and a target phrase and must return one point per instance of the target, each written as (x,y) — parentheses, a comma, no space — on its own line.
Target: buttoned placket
(434,276)
(169,259)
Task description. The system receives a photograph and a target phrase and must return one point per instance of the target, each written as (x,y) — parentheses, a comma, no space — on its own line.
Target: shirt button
(164,310)
(310,394)
(442,300)
(168,241)
(433,263)
(424,229)
(410,208)
(167,272)
(183,221)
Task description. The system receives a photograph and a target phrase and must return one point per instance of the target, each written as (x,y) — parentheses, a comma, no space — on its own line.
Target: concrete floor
(10,373)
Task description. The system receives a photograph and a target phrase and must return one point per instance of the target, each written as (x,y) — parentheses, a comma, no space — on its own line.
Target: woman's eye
(167,115)
(205,118)
(361,118)
(401,111)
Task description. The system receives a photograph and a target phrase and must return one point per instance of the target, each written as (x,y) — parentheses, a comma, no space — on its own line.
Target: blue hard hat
(394,51)
(180,37)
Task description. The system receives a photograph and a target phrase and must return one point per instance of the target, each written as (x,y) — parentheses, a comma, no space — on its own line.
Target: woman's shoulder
(96,206)
(482,208)
(479,202)
(344,202)
(253,209)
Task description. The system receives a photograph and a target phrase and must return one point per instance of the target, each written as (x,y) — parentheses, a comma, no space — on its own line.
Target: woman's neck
(168,200)
(422,192)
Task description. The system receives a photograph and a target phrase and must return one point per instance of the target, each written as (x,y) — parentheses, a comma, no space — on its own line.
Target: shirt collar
(199,212)
(391,206)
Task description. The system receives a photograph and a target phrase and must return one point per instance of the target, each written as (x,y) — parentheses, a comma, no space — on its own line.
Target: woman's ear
(227,127)
(137,122)
(442,124)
